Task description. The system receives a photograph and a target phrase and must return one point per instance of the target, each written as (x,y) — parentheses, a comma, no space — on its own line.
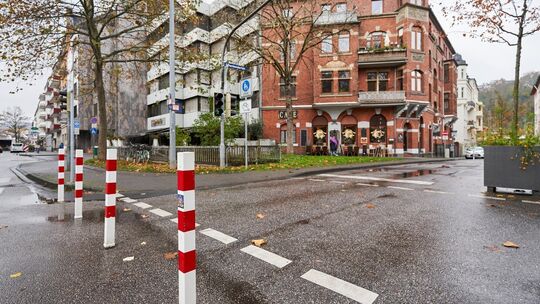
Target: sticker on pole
(245,106)
(180,198)
(246,88)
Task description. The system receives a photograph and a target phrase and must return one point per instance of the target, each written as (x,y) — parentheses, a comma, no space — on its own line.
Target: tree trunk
(102,109)
(515,122)
(290,118)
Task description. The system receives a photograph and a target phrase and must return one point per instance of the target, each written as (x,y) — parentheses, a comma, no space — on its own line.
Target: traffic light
(219,104)
(63,99)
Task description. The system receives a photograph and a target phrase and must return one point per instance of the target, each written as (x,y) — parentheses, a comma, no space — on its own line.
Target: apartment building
(385,78)
(199,45)
(470,111)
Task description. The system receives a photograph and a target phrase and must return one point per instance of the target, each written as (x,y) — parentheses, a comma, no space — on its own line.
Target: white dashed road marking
(438,192)
(316,180)
(367,185)
(220,236)
(525,201)
(400,188)
(118,195)
(400,181)
(161,212)
(344,288)
(266,256)
(488,197)
(143,205)
(128,200)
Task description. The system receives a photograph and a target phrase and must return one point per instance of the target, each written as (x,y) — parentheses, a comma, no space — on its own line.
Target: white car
(17,147)
(476,152)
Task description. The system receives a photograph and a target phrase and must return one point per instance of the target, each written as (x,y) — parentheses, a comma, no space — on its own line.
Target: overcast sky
(487,62)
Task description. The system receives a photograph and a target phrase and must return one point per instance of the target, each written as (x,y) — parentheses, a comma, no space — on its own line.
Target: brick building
(386,78)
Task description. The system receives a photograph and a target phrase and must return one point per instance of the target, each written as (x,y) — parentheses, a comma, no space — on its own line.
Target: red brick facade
(394,86)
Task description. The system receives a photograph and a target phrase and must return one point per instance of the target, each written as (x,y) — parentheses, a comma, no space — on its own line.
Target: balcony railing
(386,97)
(382,57)
(327,18)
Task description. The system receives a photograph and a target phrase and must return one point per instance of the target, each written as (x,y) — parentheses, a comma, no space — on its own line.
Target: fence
(209,155)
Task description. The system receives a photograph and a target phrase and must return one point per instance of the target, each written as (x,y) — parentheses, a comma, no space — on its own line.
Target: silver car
(475,152)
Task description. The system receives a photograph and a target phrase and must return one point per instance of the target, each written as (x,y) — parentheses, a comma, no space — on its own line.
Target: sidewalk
(140,185)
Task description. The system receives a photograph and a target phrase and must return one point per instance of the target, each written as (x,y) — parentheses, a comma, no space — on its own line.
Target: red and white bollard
(187,258)
(61,182)
(110,198)
(79,164)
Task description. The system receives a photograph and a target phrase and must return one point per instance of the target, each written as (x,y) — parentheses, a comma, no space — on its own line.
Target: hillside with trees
(497,98)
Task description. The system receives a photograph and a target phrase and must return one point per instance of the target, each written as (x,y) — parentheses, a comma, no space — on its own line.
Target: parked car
(1,150)
(17,147)
(476,152)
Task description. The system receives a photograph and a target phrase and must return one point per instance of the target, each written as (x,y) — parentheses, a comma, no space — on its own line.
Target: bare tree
(290,29)
(499,21)
(34,32)
(15,122)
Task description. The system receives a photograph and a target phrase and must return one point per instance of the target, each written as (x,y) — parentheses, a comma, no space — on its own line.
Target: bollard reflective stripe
(187,256)
(79,165)
(110,199)
(61,174)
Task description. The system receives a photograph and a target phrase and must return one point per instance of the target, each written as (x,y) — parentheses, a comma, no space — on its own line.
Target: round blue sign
(245,86)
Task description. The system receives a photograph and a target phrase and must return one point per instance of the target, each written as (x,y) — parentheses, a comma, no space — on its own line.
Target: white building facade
(197,79)
(469,108)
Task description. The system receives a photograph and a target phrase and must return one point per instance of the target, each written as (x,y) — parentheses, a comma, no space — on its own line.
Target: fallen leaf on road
(126,209)
(370,206)
(500,195)
(143,243)
(259,242)
(493,248)
(128,259)
(16,275)
(144,216)
(260,216)
(509,244)
(169,256)
(3,226)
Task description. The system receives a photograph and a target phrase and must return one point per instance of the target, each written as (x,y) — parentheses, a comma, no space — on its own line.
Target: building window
(462,92)
(344,81)
(435,81)
(377,126)
(283,134)
(446,73)
(400,37)
(287,13)
(326,46)
(341,7)
(326,8)
(327,82)
(446,101)
(416,81)
(376,7)
(399,80)
(292,51)
(376,40)
(416,2)
(282,88)
(416,38)
(377,81)
(343,42)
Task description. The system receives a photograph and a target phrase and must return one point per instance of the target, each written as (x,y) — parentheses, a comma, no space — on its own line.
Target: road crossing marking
(143,205)
(220,236)
(525,201)
(400,188)
(349,290)
(267,256)
(316,180)
(367,185)
(128,200)
(438,192)
(161,212)
(118,195)
(488,197)
(297,178)
(400,181)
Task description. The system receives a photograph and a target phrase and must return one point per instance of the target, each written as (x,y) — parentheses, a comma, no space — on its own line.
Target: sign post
(246,91)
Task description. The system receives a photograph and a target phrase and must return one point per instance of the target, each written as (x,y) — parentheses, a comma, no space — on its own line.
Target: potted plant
(512,161)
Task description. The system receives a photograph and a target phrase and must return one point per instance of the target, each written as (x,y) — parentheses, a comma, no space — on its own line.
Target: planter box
(502,169)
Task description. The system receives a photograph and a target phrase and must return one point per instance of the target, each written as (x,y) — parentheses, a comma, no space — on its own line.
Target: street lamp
(224,73)
(172,87)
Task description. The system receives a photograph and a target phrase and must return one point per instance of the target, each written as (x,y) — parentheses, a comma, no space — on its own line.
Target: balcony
(328,18)
(387,57)
(42,104)
(381,98)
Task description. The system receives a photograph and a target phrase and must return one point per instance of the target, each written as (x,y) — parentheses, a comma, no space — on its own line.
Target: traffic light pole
(71,121)
(224,73)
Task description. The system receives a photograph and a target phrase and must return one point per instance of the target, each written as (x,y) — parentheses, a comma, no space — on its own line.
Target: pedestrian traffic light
(63,99)
(219,104)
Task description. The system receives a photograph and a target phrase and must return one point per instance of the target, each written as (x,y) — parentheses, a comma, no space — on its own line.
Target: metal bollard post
(110,199)
(79,164)
(187,258)
(61,182)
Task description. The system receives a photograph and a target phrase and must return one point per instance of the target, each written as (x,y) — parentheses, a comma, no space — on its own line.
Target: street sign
(93,120)
(245,106)
(93,131)
(235,66)
(76,127)
(246,88)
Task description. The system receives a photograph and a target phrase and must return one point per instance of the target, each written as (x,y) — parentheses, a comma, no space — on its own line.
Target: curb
(29,177)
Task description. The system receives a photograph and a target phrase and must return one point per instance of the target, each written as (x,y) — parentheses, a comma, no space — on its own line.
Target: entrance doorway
(407,137)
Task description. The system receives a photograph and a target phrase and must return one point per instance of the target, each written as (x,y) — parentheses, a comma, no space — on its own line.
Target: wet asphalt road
(411,234)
